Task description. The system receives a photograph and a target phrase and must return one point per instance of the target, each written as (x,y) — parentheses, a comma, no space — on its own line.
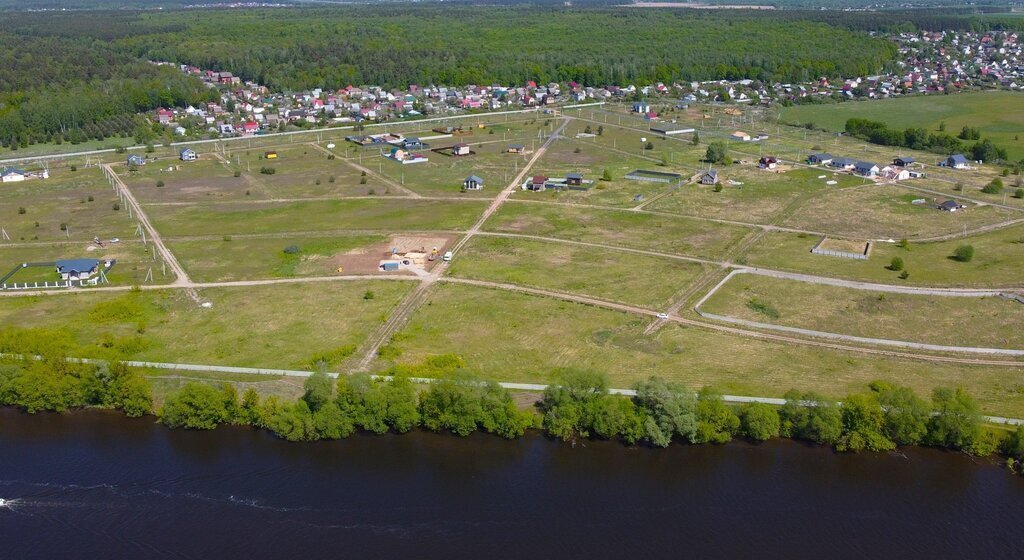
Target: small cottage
(473,183)
(709,177)
(188,154)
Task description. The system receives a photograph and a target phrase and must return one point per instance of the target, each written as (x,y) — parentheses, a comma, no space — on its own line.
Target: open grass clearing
(304,171)
(668,234)
(887,212)
(750,194)
(220,260)
(998,260)
(273,326)
(612,275)
(516,337)
(315,215)
(59,209)
(998,114)
(990,322)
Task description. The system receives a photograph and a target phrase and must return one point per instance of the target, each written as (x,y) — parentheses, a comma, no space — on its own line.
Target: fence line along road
(737,399)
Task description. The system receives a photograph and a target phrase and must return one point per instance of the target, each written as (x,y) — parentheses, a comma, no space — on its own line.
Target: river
(97,485)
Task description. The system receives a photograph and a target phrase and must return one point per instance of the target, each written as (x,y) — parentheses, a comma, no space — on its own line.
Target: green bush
(266,170)
(964,253)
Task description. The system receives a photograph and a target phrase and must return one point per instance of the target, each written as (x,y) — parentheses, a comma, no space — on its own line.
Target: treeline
(921,139)
(579,406)
(56,385)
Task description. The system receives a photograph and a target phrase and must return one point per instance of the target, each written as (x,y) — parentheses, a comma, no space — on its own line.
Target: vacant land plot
(998,260)
(514,337)
(173,180)
(250,326)
(999,115)
(613,275)
(991,322)
(221,260)
(69,206)
(669,234)
(749,194)
(887,212)
(304,171)
(318,215)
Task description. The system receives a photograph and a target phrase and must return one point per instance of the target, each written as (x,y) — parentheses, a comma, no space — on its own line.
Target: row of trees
(662,412)
(580,405)
(334,410)
(921,139)
(57,385)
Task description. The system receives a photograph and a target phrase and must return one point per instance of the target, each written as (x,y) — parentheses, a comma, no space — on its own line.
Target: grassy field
(887,212)
(999,115)
(36,209)
(750,194)
(953,321)
(319,215)
(514,337)
(613,275)
(250,326)
(256,258)
(653,232)
(998,260)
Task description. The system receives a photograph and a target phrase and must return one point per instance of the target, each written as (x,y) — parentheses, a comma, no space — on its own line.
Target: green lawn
(991,322)
(515,337)
(998,114)
(613,275)
(669,234)
(247,326)
(320,215)
(998,260)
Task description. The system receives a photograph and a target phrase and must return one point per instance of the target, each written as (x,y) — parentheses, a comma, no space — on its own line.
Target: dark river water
(96,485)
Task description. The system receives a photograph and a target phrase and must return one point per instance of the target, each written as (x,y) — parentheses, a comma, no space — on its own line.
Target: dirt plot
(366,260)
(955,321)
(886,211)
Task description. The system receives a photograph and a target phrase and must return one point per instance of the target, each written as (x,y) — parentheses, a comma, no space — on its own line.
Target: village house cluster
(929,62)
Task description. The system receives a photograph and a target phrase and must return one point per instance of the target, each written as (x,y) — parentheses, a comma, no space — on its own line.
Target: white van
(447,257)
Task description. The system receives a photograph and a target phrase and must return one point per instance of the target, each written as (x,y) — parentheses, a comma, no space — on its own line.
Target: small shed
(270,155)
(412,143)
(768,162)
(957,161)
(709,177)
(473,183)
(460,150)
(538,183)
(188,154)
(575,179)
(950,206)
(516,149)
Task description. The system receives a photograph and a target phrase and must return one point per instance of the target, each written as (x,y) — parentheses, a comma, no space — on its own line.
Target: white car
(663,316)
